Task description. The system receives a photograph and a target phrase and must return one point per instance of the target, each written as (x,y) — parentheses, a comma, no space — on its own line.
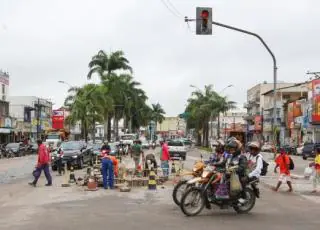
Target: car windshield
(13,145)
(53,137)
(308,146)
(71,146)
(127,137)
(175,143)
(113,146)
(96,147)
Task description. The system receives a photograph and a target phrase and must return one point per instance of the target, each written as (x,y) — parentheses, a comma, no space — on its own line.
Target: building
(257,103)
(172,126)
(287,132)
(232,120)
(6,122)
(33,116)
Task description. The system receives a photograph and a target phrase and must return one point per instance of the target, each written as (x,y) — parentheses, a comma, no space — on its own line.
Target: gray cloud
(48,41)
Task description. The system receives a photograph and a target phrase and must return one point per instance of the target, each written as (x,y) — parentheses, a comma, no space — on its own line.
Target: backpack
(291,165)
(264,169)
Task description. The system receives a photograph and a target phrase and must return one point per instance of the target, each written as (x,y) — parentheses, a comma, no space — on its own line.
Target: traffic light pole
(275,68)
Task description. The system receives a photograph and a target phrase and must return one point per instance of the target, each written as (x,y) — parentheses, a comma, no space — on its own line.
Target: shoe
(32,184)
(314,191)
(48,185)
(274,189)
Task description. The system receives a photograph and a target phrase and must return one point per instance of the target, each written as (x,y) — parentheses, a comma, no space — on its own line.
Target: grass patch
(209,150)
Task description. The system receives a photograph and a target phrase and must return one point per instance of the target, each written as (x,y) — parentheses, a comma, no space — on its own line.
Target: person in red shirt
(283,162)
(165,158)
(42,164)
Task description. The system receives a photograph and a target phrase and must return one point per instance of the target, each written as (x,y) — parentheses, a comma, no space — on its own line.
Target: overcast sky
(42,42)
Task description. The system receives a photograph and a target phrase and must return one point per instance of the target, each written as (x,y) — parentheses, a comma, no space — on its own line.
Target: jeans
(59,166)
(46,170)
(107,173)
(165,168)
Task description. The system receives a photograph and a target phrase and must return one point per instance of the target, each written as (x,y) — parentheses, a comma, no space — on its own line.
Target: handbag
(235,185)
(222,191)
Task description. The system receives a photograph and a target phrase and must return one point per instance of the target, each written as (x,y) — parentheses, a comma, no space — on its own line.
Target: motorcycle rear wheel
(196,194)
(250,202)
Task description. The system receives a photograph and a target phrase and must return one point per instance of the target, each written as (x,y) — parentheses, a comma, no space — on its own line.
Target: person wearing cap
(107,170)
(255,160)
(136,153)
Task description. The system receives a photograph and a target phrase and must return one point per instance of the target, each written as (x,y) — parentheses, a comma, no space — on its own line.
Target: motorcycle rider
(255,161)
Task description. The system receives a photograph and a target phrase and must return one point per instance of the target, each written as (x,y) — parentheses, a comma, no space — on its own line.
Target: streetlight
(226,88)
(66,83)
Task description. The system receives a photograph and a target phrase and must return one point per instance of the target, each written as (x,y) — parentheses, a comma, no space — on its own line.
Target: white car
(266,148)
(177,149)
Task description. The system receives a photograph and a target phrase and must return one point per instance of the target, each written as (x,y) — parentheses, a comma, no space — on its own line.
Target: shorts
(284,178)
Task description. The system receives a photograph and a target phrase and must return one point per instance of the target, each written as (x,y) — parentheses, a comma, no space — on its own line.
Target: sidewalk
(301,186)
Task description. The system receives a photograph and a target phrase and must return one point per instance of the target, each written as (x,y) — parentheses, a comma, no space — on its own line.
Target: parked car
(267,147)
(309,150)
(145,144)
(75,153)
(187,142)
(18,149)
(33,148)
(177,149)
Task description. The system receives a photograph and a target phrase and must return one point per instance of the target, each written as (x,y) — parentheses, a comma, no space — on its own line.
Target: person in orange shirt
(115,163)
(283,162)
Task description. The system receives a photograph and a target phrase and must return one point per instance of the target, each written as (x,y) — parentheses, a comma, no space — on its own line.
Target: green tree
(157,113)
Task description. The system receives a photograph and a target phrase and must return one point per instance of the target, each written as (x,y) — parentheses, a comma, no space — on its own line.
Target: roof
(287,87)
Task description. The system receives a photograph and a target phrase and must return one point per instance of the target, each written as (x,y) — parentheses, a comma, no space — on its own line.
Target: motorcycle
(10,154)
(182,186)
(205,194)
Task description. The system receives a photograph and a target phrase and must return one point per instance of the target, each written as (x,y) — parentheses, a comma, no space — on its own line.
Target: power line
(174,8)
(173,12)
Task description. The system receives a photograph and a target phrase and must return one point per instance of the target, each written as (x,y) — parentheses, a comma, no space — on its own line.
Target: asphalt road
(25,208)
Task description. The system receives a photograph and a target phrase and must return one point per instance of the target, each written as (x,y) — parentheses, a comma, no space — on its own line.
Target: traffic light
(204,21)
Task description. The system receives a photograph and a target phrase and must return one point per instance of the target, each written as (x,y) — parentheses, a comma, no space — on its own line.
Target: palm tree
(157,113)
(203,105)
(86,105)
(105,65)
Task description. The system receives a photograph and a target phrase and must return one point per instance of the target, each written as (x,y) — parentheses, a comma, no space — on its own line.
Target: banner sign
(258,123)
(57,119)
(316,101)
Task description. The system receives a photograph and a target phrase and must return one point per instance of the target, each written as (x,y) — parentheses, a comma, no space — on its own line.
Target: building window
(3,89)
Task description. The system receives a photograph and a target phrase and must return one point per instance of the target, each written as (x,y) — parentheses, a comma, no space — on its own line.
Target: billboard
(258,123)
(316,101)
(57,119)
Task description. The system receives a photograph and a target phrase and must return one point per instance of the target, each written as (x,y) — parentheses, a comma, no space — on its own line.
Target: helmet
(254,144)
(232,144)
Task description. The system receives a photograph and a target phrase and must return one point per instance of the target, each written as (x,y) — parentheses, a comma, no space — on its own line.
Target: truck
(241,136)
(54,137)
(128,139)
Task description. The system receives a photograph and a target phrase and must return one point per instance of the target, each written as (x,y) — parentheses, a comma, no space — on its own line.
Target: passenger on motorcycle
(237,159)
(218,154)
(255,161)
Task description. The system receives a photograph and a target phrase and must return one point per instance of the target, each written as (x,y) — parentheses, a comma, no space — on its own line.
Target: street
(26,208)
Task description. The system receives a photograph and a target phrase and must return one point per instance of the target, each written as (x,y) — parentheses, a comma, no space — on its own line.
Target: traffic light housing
(204,21)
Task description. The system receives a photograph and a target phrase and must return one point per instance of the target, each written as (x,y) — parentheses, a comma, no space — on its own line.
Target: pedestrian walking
(137,154)
(283,162)
(59,161)
(107,171)
(42,164)
(165,157)
(316,175)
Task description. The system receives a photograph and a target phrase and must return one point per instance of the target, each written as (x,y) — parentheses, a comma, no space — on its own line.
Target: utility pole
(38,109)
(204,18)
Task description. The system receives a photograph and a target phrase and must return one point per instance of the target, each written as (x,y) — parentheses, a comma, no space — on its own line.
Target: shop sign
(316,101)
(4,130)
(57,119)
(7,122)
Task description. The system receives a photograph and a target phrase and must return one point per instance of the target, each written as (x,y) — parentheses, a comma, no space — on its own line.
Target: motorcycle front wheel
(249,200)
(179,190)
(192,202)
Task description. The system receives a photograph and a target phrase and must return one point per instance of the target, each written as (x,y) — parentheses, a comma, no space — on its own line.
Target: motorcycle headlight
(52,158)
(121,149)
(75,157)
(205,174)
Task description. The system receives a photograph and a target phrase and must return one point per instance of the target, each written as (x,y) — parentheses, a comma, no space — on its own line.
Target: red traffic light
(204,14)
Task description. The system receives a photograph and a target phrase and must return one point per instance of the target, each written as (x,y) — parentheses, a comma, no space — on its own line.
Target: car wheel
(304,157)
(54,168)
(184,158)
